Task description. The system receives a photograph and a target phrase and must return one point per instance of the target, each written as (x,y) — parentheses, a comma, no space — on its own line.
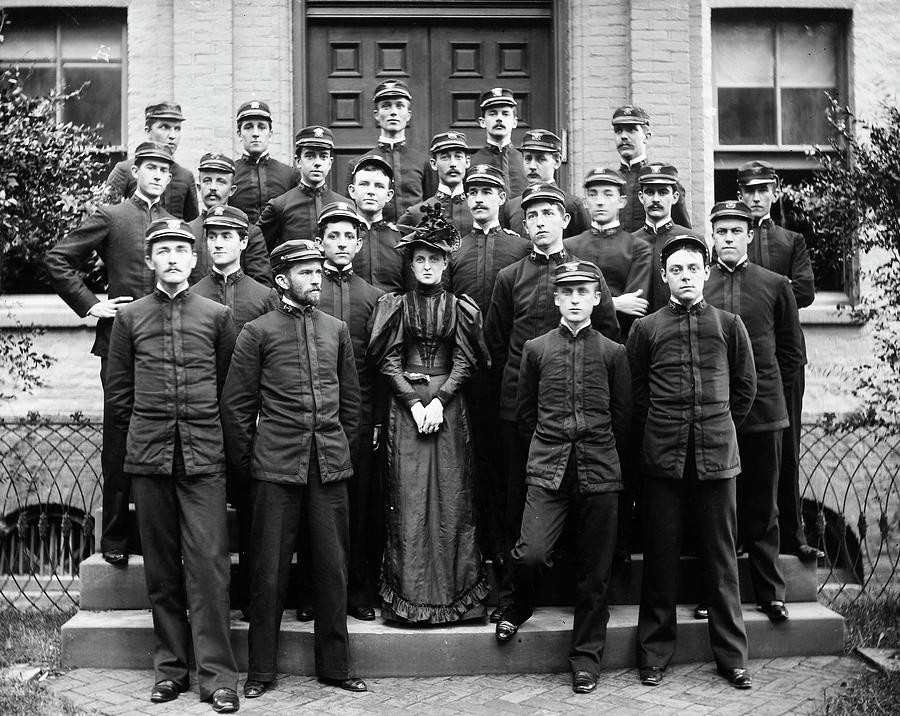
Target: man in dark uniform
(162,122)
(450,159)
(766,304)
(784,252)
(522,308)
(498,119)
(295,214)
(473,271)
(413,179)
(631,125)
(574,406)
(658,194)
(257,176)
(349,298)
(116,232)
(177,339)
(216,189)
(542,156)
(376,262)
(290,410)
(693,382)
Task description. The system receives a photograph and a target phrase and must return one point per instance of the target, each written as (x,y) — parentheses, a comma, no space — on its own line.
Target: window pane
(101,101)
(744,55)
(746,116)
(37,81)
(803,119)
(92,42)
(808,55)
(24,40)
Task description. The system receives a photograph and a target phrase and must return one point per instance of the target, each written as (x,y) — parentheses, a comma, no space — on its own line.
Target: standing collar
(575,330)
(743,261)
(456,191)
(492,143)
(233,275)
(610,227)
(149,202)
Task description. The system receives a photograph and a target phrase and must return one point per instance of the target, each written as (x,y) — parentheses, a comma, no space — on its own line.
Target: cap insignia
(655,168)
(571,266)
(497,91)
(218,211)
(173,223)
(730,204)
(452,135)
(254,105)
(535,135)
(319,132)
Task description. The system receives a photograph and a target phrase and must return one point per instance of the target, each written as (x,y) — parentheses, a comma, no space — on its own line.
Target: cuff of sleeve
(410,399)
(444,397)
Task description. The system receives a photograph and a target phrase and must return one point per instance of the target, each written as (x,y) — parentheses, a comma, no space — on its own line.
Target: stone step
(104,586)
(124,639)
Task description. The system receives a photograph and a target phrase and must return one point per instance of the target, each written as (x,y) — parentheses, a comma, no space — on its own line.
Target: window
(61,49)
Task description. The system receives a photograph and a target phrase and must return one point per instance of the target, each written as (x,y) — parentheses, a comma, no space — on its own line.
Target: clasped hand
(631,303)
(428,417)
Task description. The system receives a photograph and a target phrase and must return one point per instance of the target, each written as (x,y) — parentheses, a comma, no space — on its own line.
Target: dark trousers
(182,518)
(276,518)
(117,525)
(668,504)
(789,504)
(514,460)
(757,509)
(543,520)
(482,399)
(366,530)
(238,494)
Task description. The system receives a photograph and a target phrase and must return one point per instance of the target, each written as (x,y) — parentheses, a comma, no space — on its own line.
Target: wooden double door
(447,65)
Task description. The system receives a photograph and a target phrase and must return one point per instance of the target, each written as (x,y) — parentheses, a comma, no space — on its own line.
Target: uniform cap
(153,150)
(542,192)
(314,136)
(497,97)
(391,88)
(215,162)
(730,209)
(294,251)
(229,217)
(684,241)
(604,175)
(449,140)
(338,210)
(375,159)
(658,174)
(575,272)
(630,114)
(484,174)
(756,172)
(254,109)
(168,229)
(163,110)
(542,140)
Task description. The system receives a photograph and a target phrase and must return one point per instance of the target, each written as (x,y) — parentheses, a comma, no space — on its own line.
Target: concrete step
(104,586)
(125,639)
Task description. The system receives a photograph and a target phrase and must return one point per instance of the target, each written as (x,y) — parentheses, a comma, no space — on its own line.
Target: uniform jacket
(659,290)
(167,363)
(766,305)
(258,180)
(293,370)
(116,232)
(455,210)
(512,217)
(784,252)
(377,262)
(691,369)
(254,259)
(179,198)
(247,298)
(294,214)
(574,394)
(414,179)
(633,215)
(509,161)
(522,308)
(350,299)
(473,269)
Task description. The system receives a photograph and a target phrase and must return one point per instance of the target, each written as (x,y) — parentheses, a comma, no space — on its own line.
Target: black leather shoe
(651,675)
(775,610)
(305,614)
(225,701)
(165,690)
(116,557)
(701,611)
(351,684)
(738,678)
(808,553)
(505,630)
(496,615)
(583,682)
(254,689)
(364,614)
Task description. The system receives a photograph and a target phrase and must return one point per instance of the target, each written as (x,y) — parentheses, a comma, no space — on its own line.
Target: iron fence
(50,485)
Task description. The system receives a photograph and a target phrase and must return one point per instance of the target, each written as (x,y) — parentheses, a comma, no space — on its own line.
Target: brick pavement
(795,685)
